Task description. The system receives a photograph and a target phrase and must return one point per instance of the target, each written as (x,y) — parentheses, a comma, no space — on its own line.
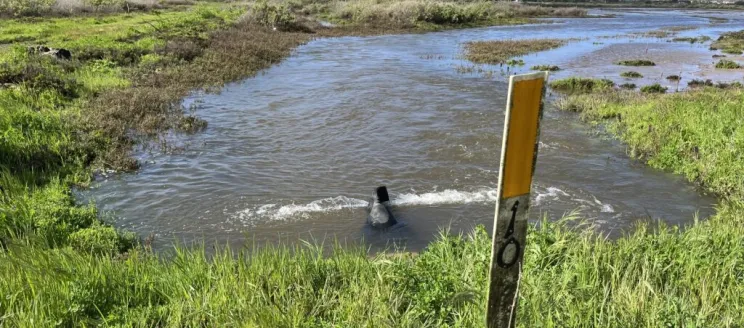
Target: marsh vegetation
(636,62)
(727,64)
(673,77)
(730,43)
(500,51)
(549,68)
(699,39)
(631,74)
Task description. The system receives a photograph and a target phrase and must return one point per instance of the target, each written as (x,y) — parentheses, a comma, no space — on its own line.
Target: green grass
(636,62)
(696,134)
(500,51)
(727,64)
(581,85)
(572,278)
(631,74)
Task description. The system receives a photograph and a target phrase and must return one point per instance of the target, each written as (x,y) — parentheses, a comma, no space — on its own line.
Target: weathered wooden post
(524,106)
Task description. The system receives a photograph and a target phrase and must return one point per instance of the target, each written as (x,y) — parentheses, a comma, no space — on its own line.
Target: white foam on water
(550,192)
(284,212)
(444,197)
(278,212)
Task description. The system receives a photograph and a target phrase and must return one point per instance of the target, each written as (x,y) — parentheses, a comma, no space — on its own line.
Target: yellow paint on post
(520,145)
(518,156)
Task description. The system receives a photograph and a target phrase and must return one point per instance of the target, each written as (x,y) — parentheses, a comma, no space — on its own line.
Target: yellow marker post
(524,107)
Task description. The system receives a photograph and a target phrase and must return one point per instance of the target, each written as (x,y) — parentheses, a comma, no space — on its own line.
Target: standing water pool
(296,152)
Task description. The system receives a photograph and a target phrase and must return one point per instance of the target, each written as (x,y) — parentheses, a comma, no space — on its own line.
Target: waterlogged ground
(296,153)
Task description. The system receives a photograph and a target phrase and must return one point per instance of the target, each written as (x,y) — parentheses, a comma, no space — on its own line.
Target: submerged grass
(500,51)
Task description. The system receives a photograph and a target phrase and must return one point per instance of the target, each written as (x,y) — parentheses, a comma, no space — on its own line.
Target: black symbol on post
(509,252)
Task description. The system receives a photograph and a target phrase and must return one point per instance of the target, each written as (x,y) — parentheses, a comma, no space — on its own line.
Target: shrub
(631,74)
(271,15)
(581,85)
(636,62)
(629,86)
(653,88)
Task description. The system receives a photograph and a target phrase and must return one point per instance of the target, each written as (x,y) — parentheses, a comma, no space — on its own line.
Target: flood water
(296,152)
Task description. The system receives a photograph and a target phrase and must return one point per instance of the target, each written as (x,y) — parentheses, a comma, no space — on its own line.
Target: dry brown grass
(499,51)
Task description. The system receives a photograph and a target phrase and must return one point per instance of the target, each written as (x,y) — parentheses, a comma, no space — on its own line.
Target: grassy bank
(695,133)
(572,278)
(62,119)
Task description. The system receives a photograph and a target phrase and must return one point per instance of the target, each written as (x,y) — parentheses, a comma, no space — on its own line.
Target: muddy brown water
(296,152)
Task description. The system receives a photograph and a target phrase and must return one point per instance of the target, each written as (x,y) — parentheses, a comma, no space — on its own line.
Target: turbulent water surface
(296,152)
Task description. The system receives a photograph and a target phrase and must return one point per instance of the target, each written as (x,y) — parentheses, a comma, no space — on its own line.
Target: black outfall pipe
(380,215)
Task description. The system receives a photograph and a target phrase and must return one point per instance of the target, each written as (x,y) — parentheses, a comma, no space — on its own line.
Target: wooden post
(524,106)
